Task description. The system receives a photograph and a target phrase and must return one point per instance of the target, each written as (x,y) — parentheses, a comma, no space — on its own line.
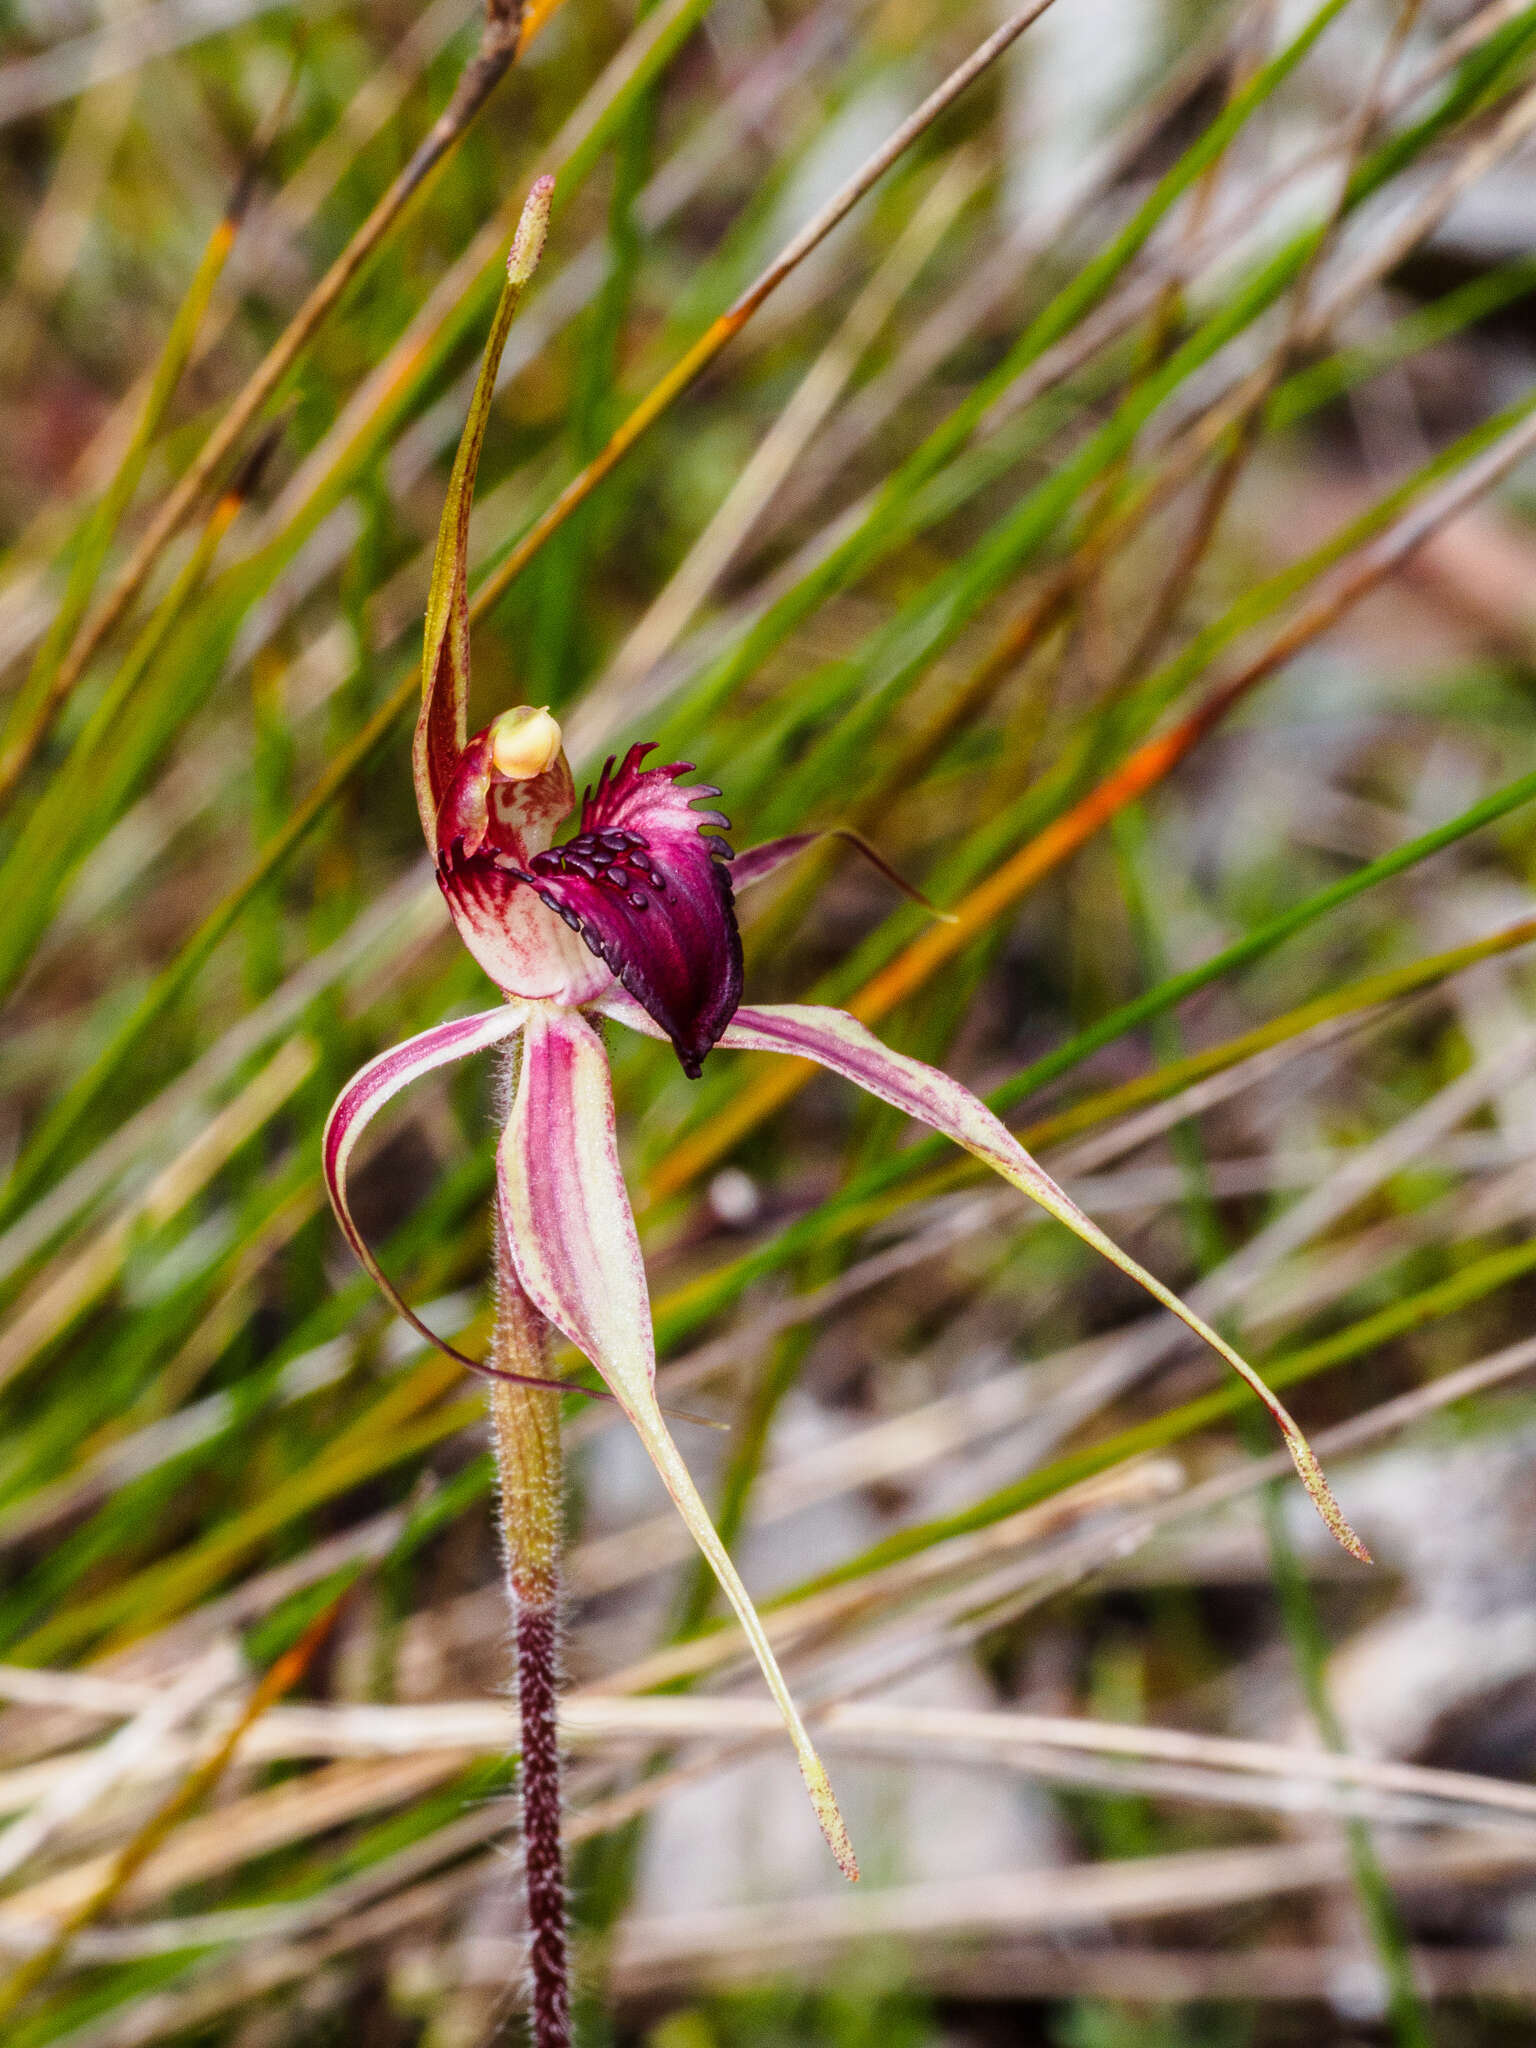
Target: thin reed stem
(691,365)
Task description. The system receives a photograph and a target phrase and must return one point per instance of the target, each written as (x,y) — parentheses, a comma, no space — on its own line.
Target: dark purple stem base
(538,1652)
(525,1431)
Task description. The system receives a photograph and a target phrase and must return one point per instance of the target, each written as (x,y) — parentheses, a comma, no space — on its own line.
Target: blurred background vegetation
(1125,518)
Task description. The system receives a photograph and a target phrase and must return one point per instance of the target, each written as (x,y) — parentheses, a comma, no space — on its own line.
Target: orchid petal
(442,726)
(356,1107)
(757,863)
(366,1094)
(834,1039)
(650,892)
(577,1254)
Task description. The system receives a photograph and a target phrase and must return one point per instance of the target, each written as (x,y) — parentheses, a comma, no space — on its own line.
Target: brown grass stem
(500,42)
(729,324)
(283,1675)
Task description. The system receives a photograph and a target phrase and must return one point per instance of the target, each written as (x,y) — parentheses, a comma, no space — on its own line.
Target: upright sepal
(573,1242)
(442,728)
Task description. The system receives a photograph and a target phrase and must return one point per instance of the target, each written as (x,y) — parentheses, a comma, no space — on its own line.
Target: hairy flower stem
(525,1430)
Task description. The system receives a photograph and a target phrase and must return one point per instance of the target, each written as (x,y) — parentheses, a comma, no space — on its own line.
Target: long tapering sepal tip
(532,227)
(1305,1460)
(442,729)
(842,1043)
(829,1814)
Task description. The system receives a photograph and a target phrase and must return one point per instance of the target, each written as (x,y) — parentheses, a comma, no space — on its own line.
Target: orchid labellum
(628,919)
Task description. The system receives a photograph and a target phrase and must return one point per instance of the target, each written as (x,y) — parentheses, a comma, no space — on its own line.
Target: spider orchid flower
(629,919)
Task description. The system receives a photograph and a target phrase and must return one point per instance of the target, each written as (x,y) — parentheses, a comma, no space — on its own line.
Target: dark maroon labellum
(649,890)
(643,880)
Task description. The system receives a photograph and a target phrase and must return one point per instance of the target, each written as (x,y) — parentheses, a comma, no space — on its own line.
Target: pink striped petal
(577,1254)
(834,1039)
(362,1099)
